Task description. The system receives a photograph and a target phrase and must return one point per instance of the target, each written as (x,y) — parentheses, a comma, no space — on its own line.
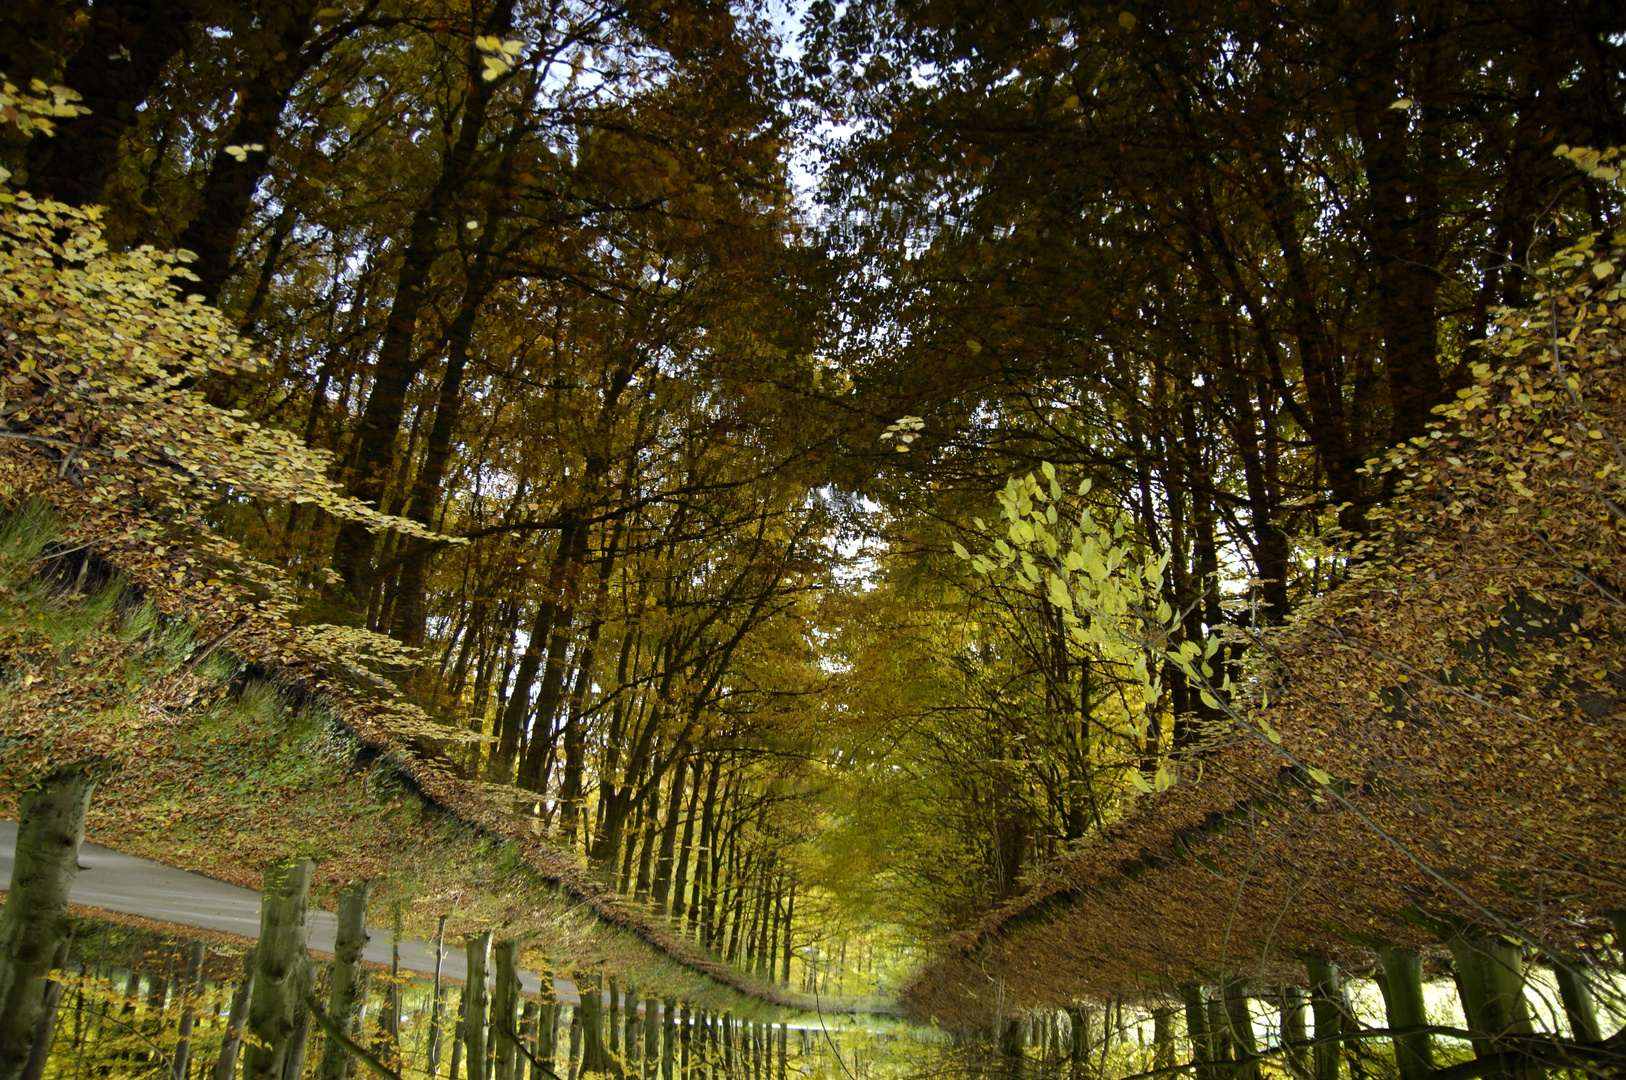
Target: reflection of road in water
(131,885)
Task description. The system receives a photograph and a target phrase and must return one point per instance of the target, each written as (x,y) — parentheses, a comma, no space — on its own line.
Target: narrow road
(134,886)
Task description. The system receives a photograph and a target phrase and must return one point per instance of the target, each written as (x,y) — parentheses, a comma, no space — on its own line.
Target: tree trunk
(280,961)
(34,924)
(1402,986)
(124,49)
(1490,981)
(293,1067)
(1294,1035)
(227,197)
(45,1035)
(668,1042)
(1202,1045)
(407,621)
(1579,1006)
(680,876)
(477,947)
(347,993)
(663,864)
(226,1064)
(189,1011)
(1327,1006)
(595,1061)
(432,1050)
(505,1011)
(790,918)
(397,365)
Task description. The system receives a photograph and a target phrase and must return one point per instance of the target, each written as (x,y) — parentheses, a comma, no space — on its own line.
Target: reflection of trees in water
(137,1002)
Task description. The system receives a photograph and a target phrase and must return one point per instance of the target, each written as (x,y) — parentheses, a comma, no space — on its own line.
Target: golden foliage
(1435,743)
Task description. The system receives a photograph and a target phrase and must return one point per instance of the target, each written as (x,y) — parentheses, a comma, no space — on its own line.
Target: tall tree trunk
(293,1067)
(118,62)
(1402,986)
(280,962)
(432,1050)
(348,988)
(397,365)
(34,924)
(227,197)
(1579,1007)
(511,729)
(45,1033)
(477,947)
(663,864)
(505,1011)
(407,622)
(226,1064)
(1294,1035)
(1202,1045)
(790,918)
(189,1011)
(1327,1006)
(1490,981)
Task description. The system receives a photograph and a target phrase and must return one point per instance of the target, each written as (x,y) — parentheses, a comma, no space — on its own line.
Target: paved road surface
(135,886)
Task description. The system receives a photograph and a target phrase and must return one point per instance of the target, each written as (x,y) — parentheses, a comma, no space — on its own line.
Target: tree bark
(1326,1005)
(227,197)
(432,1050)
(663,863)
(505,1011)
(293,1066)
(1490,981)
(1579,1007)
(280,963)
(45,1034)
(348,988)
(34,924)
(1202,1049)
(1402,986)
(478,947)
(189,1011)
(397,365)
(226,1064)
(1294,1035)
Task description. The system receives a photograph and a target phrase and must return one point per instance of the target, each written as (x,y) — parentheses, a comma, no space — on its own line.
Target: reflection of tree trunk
(505,1011)
(397,365)
(478,947)
(281,960)
(432,1050)
(34,925)
(293,1067)
(45,1033)
(226,1064)
(1326,1006)
(346,993)
(1401,981)
(189,1011)
(124,49)
(227,197)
